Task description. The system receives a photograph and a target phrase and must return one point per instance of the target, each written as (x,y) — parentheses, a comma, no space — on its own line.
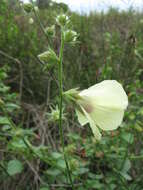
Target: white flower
(102,105)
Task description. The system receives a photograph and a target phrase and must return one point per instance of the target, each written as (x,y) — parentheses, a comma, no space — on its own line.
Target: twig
(36,173)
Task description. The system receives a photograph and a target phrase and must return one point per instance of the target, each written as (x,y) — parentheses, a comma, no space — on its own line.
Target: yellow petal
(81,118)
(95,130)
(107,119)
(105,102)
(108,93)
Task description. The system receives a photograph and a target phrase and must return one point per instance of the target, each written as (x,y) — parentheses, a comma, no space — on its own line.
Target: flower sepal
(72,95)
(49,57)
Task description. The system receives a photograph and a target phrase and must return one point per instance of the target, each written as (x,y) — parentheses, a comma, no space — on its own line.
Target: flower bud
(50,31)
(72,95)
(36,8)
(62,20)
(49,56)
(28,7)
(31,21)
(70,36)
(53,116)
(51,4)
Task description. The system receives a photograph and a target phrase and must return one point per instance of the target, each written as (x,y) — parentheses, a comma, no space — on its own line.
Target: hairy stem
(61,106)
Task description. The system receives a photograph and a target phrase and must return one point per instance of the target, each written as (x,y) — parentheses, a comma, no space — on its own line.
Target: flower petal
(95,130)
(108,93)
(107,119)
(81,117)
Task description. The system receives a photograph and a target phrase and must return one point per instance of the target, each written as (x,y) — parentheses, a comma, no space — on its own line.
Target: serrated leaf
(14,167)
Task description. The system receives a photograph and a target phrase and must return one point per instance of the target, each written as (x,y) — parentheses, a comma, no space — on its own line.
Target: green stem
(61,106)
(40,23)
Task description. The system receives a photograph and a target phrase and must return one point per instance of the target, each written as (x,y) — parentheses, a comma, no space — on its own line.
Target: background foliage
(110,47)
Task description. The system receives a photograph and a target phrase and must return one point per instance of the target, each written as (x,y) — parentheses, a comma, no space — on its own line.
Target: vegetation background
(110,47)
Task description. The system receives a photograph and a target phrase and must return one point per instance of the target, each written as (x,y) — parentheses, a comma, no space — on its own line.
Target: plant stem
(61,106)
(40,23)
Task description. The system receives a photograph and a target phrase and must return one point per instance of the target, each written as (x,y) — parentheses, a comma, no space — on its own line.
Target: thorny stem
(61,106)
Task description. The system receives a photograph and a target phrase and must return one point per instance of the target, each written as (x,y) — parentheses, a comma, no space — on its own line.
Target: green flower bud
(28,7)
(70,36)
(72,95)
(53,116)
(31,21)
(49,56)
(50,31)
(36,8)
(62,20)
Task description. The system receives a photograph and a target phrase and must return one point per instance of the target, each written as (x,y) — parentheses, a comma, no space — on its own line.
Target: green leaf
(14,167)
(6,128)
(128,137)
(61,164)
(17,144)
(53,172)
(4,121)
(44,188)
(11,106)
(127,166)
(126,176)
(83,170)
(56,155)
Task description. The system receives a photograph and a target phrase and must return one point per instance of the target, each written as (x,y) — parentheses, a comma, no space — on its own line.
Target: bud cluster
(48,56)
(70,36)
(28,7)
(62,20)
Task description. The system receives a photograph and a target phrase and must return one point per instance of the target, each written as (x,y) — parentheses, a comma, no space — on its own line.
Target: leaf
(11,106)
(128,137)
(6,128)
(53,172)
(44,188)
(126,176)
(83,170)
(4,121)
(56,155)
(14,167)
(61,164)
(17,144)
(127,166)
